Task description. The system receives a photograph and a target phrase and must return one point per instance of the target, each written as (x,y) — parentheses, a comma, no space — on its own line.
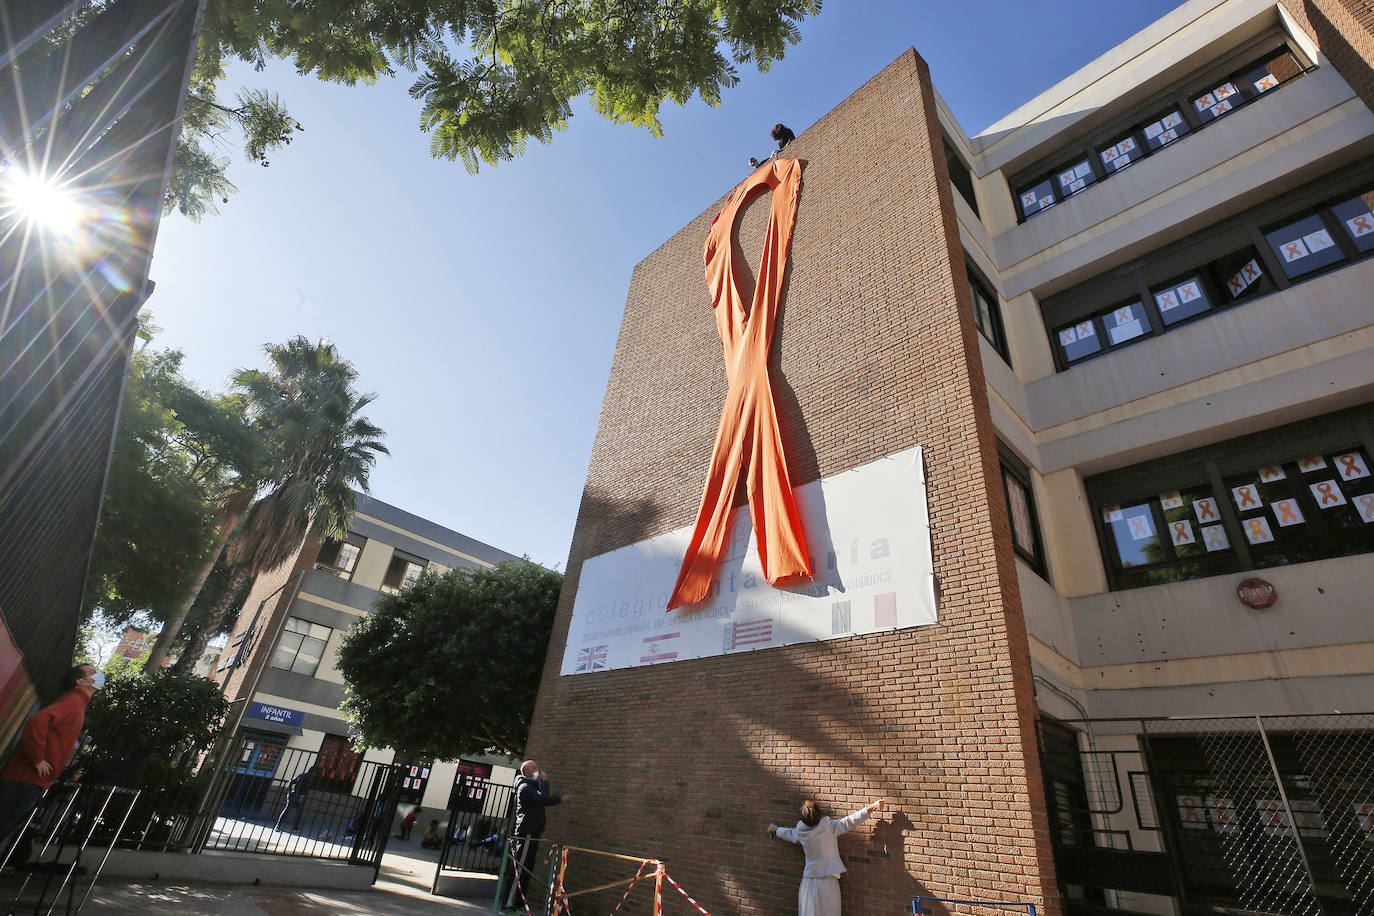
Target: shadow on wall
(1338,49)
(698,788)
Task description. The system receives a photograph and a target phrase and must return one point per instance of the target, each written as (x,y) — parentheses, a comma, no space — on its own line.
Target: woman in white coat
(819,894)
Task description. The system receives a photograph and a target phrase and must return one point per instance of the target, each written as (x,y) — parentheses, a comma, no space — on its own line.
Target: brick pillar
(1344,30)
(875,352)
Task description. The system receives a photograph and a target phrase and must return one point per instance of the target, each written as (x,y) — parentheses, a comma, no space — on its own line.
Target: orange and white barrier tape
(693,902)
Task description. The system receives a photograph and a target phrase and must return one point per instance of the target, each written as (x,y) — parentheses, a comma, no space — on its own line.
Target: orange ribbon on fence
(748,428)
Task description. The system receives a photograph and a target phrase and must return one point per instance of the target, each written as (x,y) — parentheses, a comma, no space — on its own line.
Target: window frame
(978,282)
(296,654)
(1013,467)
(1219,463)
(1199,253)
(1180,96)
(952,159)
(409,559)
(352,538)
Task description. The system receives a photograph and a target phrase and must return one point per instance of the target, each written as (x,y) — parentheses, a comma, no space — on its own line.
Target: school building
(279,660)
(1079,413)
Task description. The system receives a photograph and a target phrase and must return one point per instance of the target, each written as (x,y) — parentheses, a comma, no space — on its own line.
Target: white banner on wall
(868,534)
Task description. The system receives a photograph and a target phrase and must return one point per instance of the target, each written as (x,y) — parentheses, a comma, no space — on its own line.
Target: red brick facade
(875,352)
(1344,30)
(277,586)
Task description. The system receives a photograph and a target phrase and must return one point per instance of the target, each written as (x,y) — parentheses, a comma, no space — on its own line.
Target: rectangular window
(1025,524)
(1075,178)
(301,646)
(1035,198)
(403,572)
(1161,131)
(470,785)
(1356,216)
(337,765)
(1297,246)
(340,557)
(1286,497)
(961,177)
(1304,245)
(987,312)
(1181,299)
(414,778)
(1241,275)
(1120,153)
(1210,101)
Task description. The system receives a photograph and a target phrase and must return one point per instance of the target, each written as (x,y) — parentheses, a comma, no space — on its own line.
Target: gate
(1256,815)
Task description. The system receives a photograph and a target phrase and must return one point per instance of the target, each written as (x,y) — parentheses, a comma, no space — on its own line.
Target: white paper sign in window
(1244,277)
(1181,533)
(1170,500)
(1247,497)
(1293,250)
(1312,463)
(1270,473)
(1206,510)
(1351,466)
(1287,512)
(1214,538)
(1327,493)
(1266,82)
(1360,225)
(1365,506)
(1257,530)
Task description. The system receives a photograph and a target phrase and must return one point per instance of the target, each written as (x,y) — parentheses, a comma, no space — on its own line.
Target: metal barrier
(293,802)
(1246,813)
(477,832)
(67,819)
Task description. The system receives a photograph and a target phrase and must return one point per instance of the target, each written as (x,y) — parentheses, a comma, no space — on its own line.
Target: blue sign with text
(280,714)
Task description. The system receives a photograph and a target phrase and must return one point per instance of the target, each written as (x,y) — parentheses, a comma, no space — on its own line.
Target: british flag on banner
(592,658)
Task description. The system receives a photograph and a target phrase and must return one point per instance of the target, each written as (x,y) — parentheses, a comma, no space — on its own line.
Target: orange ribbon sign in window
(748,431)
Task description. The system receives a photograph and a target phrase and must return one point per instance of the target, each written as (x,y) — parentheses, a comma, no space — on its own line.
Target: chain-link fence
(1260,814)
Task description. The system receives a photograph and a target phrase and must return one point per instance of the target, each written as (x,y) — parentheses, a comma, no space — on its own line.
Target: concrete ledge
(468,885)
(230,868)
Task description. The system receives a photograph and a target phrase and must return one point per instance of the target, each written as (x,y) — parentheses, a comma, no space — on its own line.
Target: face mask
(535,775)
(98,680)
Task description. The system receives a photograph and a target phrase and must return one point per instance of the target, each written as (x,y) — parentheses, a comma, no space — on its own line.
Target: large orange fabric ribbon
(748,429)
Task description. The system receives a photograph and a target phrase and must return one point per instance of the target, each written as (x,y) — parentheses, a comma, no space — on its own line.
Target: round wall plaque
(1256,593)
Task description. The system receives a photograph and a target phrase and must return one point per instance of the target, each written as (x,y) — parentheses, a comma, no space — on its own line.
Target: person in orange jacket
(46,744)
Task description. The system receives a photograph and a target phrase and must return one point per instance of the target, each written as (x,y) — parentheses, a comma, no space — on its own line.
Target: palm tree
(321,448)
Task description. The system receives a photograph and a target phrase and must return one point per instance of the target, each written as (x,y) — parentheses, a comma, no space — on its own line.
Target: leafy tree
(157,520)
(491,74)
(320,447)
(451,665)
(154,722)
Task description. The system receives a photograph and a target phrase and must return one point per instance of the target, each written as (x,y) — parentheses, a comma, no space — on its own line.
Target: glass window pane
(412,575)
(1079,340)
(1304,246)
(1357,218)
(1181,300)
(1165,129)
(1075,178)
(1126,323)
(296,625)
(1241,275)
(1037,198)
(1132,530)
(1121,153)
(1217,101)
(348,555)
(1278,69)
(309,657)
(286,650)
(1022,529)
(319,631)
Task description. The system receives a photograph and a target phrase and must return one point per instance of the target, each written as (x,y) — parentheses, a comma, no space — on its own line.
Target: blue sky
(483,309)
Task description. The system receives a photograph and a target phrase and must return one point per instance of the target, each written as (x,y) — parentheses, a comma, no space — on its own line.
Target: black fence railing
(1256,814)
(478,829)
(293,802)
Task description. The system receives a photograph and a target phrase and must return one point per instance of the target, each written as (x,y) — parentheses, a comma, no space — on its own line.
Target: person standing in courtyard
(296,795)
(46,744)
(532,796)
(817,832)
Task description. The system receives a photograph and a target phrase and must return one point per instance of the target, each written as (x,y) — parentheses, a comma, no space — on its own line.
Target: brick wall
(282,581)
(875,352)
(1344,30)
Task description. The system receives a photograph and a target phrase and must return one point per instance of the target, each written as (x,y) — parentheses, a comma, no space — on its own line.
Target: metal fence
(478,828)
(267,798)
(255,797)
(1259,814)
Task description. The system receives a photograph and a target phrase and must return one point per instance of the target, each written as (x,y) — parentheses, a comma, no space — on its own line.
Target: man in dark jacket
(297,791)
(532,796)
(46,744)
